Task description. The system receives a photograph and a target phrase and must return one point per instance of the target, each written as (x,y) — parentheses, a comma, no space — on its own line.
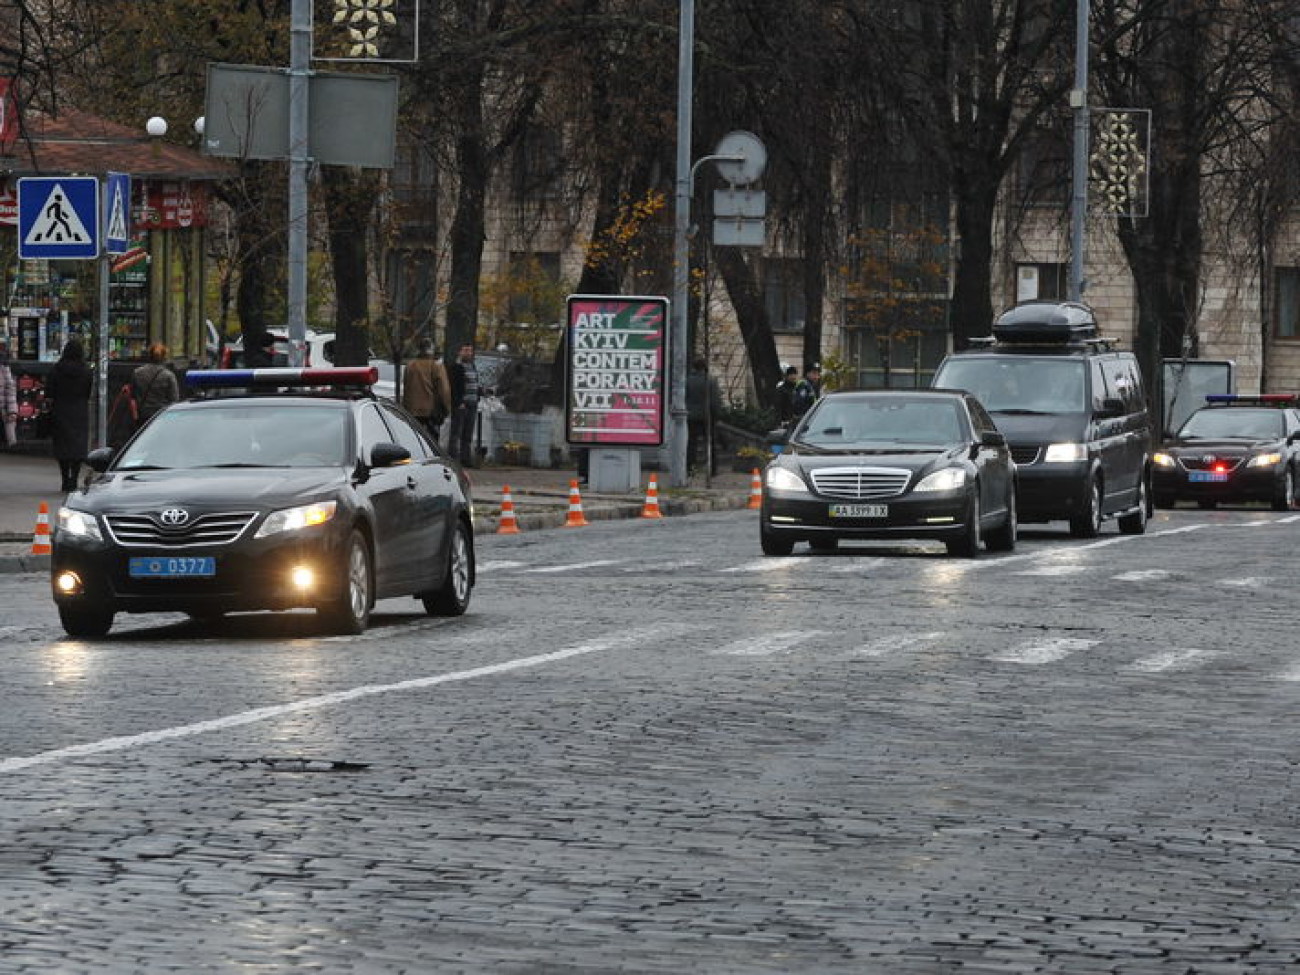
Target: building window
(1286,323)
(1047,282)
(538,165)
(783,293)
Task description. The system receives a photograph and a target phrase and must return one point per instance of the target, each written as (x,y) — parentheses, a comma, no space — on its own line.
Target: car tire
(1136,523)
(824,544)
(1285,496)
(350,613)
(772,545)
(85,624)
(452,597)
(1088,524)
(1003,538)
(968,544)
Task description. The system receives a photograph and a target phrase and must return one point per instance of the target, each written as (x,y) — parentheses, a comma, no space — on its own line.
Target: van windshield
(1007,385)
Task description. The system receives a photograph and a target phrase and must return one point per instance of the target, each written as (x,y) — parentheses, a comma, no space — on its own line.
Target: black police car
(281,488)
(885,464)
(1233,449)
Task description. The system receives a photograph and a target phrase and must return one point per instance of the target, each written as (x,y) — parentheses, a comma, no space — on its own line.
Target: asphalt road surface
(649,749)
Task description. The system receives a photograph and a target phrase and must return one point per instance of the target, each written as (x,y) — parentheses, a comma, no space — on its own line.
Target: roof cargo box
(1046,323)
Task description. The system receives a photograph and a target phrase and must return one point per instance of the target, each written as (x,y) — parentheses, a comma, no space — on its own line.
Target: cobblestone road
(649,750)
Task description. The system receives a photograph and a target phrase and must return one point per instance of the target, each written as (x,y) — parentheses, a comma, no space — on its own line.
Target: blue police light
(244,378)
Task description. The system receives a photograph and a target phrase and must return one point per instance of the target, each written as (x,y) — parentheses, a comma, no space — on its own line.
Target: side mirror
(1111,407)
(388,455)
(99,459)
(993,438)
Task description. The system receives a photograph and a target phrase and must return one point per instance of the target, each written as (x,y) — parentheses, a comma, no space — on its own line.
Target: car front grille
(1208,462)
(145,530)
(1026,454)
(857,483)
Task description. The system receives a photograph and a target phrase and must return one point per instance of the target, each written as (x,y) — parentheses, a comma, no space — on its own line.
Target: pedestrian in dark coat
(68,387)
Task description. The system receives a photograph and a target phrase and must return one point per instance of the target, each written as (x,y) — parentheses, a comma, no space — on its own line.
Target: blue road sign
(58,217)
(117,213)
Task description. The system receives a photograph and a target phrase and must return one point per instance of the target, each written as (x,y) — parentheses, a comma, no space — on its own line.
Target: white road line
(770,643)
(575,566)
(1178,531)
(893,644)
(764,565)
(1044,652)
(497,566)
(1245,582)
(1169,660)
(1288,520)
(615,641)
(662,566)
(1143,575)
(1057,570)
(855,565)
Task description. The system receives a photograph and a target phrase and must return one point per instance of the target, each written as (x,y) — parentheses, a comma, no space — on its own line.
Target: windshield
(1233,423)
(238,435)
(856,422)
(1011,385)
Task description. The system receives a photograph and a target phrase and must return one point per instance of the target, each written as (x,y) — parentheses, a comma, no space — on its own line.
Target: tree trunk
(350,199)
(751,315)
(972,299)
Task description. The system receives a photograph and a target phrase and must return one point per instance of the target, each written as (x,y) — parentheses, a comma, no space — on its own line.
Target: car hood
(917,458)
(207,488)
(1040,428)
(1220,445)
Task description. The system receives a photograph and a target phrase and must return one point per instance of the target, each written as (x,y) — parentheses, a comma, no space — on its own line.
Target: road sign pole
(101,371)
(299,124)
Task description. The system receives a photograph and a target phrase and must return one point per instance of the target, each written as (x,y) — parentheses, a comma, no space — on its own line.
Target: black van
(1073,410)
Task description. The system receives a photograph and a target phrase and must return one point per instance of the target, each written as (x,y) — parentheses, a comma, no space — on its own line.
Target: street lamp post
(1079,176)
(681,250)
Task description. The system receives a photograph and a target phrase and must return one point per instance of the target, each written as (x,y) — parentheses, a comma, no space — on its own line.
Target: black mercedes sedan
(886,464)
(1234,449)
(281,488)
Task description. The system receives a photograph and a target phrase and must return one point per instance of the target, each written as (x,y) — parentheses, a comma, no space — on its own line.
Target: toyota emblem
(174,517)
(1207,459)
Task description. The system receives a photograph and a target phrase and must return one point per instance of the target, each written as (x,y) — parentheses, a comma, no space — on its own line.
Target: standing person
(8,401)
(703,401)
(68,389)
(155,384)
(465,393)
(785,396)
(426,394)
(808,390)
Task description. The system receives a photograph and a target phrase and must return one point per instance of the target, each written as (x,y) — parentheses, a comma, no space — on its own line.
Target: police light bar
(243,378)
(1266,399)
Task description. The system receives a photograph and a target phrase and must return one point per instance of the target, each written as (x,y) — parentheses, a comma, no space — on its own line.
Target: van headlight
(79,524)
(948,479)
(1265,460)
(1065,453)
(302,516)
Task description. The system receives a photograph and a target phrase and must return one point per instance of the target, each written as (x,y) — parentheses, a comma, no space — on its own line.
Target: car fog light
(68,583)
(303,577)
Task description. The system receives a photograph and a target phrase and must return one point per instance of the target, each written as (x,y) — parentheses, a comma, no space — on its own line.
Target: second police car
(283,488)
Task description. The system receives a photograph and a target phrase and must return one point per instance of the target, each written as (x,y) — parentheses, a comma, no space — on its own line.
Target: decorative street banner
(615,377)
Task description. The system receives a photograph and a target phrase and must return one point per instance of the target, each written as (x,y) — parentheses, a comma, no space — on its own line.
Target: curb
(24,563)
(618,511)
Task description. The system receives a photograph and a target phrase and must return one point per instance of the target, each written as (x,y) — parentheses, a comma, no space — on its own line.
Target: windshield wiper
(242,464)
(1021,411)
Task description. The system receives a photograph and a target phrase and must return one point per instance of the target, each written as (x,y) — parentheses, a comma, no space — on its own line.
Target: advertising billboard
(615,394)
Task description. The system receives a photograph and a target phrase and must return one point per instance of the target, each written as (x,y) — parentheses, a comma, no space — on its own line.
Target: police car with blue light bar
(1234,449)
(271,489)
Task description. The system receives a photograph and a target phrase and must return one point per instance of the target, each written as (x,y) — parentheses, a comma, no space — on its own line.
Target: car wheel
(772,545)
(1003,538)
(1136,523)
(452,598)
(350,613)
(1285,496)
(1088,524)
(824,544)
(85,623)
(968,544)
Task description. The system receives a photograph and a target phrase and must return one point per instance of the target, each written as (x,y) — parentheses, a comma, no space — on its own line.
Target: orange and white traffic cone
(41,539)
(756,490)
(651,508)
(507,524)
(575,519)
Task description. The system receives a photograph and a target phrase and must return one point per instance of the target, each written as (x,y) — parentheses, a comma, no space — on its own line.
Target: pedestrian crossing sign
(117,213)
(58,218)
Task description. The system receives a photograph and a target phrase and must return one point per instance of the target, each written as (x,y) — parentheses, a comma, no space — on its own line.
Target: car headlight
(1162,460)
(302,516)
(783,479)
(79,524)
(948,479)
(1265,460)
(1065,453)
